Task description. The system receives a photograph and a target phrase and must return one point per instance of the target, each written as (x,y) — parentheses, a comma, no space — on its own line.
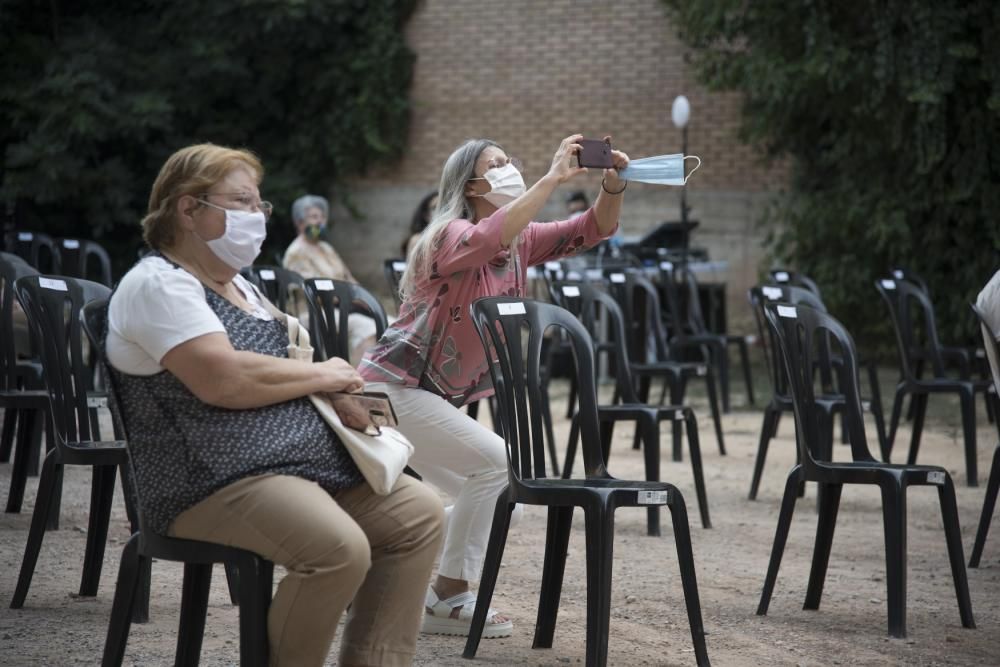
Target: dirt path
(648,623)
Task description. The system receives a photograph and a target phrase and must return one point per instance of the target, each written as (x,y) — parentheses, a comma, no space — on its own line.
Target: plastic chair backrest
(587,304)
(786,277)
(512,331)
(12,267)
(38,250)
(326,297)
(762,294)
(277,284)
(53,304)
(672,277)
(647,316)
(901,296)
(990,344)
(899,273)
(393,270)
(79,255)
(800,332)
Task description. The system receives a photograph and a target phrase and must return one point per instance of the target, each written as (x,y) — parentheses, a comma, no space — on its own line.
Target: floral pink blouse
(433,345)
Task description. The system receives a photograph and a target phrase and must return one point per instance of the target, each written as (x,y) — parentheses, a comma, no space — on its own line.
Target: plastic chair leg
(968,403)
(491,568)
(642,393)
(600,523)
(550,436)
(919,402)
(607,427)
(722,361)
(574,437)
(24,442)
(780,536)
(894,522)
(699,475)
(766,433)
(897,406)
(140,605)
(233,582)
(7,437)
(194,605)
(37,530)
(876,409)
(256,578)
(102,493)
(571,400)
(556,545)
(953,537)
(650,429)
(745,362)
(689,579)
(713,403)
(121,609)
(829,504)
(677,431)
(989,503)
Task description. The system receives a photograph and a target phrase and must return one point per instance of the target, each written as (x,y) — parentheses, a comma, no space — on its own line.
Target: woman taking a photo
(479,243)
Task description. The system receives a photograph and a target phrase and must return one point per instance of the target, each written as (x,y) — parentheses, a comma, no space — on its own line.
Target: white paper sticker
(399,266)
(266,274)
(897,274)
(678,415)
(667,266)
(617,277)
(781,276)
(571,290)
(515,308)
(654,497)
(553,266)
(771,292)
(888,284)
(72,244)
(980,354)
(53,284)
(866,406)
(701,371)
(323,285)
(787,311)
(592,274)
(935,477)
(97,402)
(25,236)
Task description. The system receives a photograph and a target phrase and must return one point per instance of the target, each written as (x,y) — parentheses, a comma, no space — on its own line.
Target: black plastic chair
(800,331)
(901,297)
(23,397)
(393,270)
(640,301)
(52,305)
(795,279)
(85,259)
(278,285)
(689,330)
(39,250)
(993,485)
(500,323)
(254,578)
(587,304)
(330,303)
(832,399)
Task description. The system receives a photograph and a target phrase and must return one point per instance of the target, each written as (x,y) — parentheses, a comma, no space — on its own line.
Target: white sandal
(438,620)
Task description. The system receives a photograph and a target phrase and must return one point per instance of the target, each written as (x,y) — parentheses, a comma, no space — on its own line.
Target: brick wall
(527,73)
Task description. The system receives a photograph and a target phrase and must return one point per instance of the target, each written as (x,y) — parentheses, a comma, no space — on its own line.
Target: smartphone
(595,153)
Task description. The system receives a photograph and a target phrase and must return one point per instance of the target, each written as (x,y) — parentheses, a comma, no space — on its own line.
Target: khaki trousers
(355,545)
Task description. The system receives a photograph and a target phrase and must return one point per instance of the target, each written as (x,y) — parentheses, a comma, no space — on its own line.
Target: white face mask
(506,185)
(241,242)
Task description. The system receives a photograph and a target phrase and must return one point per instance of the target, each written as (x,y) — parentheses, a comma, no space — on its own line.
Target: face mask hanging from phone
(659,169)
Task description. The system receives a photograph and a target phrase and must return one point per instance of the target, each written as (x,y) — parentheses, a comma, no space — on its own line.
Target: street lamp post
(680,113)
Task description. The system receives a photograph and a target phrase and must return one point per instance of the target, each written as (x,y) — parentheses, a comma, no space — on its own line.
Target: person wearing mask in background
(418,223)
(480,242)
(311,256)
(226,446)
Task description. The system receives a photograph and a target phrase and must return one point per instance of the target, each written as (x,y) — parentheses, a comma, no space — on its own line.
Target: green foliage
(888,114)
(94,95)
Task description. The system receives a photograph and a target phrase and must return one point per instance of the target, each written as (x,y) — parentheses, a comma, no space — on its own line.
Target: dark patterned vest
(183,449)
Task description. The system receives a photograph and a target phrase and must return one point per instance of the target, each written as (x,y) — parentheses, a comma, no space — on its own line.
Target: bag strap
(299,346)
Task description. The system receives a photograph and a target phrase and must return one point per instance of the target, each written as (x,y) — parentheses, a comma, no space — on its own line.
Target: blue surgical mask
(659,169)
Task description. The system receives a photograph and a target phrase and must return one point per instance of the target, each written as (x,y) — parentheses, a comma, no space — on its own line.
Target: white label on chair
(781,276)
(323,285)
(667,266)
(71,244)
(592,274)
(399,266)
(897,274)
(701,371)
(617,277)
(980,354)
(866,406)
(678,415)
(888,284)
(553,266)
(266,274)
(935,477)
(511,308)
(97,401)
(654,497)
(571,290)
(25,236)
(772,293)
(787,311)
(53,284)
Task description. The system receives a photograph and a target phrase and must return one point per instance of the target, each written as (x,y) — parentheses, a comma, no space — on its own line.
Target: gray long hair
(306,202)
(452,204)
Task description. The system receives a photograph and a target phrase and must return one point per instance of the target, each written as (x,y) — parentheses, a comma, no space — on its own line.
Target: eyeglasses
(499,162)
(242,200)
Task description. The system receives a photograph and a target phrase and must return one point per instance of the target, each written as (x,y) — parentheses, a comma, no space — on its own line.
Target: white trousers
(462,458)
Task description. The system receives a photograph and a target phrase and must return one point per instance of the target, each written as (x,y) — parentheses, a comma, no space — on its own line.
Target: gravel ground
(648,622)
